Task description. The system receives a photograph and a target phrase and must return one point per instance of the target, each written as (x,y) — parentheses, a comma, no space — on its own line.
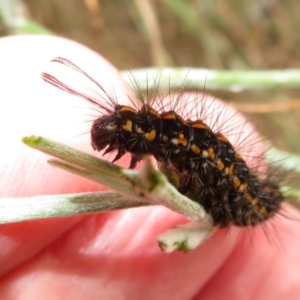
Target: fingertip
(29,106)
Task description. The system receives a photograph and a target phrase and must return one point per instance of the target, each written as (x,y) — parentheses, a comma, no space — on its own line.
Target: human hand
(111,255)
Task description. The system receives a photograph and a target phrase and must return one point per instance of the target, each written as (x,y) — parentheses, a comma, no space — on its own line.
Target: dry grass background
(217,34)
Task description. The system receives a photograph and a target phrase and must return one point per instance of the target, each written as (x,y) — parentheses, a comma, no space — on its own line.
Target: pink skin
(112,255)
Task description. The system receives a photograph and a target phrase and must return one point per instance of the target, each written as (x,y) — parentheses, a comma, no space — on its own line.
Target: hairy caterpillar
(202,160)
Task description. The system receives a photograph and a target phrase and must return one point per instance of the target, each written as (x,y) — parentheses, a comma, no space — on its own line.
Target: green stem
(50,206)
(215,79)
(146,186)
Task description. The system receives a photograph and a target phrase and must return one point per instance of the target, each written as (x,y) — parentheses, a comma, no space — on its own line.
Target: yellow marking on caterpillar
(150,136)
(220,165)
(128,126)
(211,153)
(195,149)
(127,109)
(200,126)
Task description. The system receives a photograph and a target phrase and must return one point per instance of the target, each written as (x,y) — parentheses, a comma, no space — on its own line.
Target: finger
(29,106)
(265,256)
